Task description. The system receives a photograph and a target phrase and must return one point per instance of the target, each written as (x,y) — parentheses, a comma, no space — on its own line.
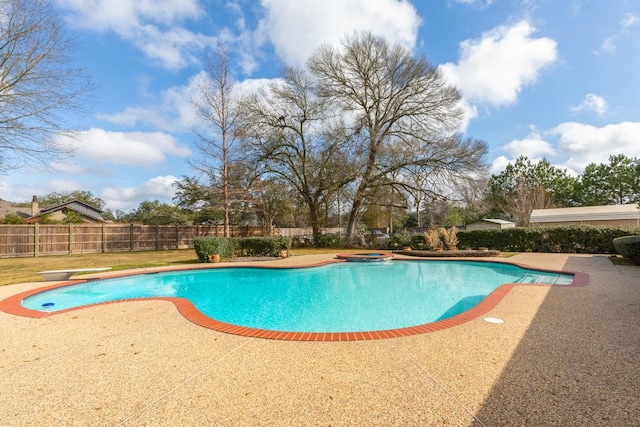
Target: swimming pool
(336,298)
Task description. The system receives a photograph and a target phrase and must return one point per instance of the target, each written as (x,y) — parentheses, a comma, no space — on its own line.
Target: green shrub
(565,239)
(628,247)
(224,246)
(285,242)
(260,246)
(419,242)
(12,218)
(398,241)
(329,241)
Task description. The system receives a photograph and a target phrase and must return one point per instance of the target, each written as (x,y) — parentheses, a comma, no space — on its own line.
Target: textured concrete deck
(564,356)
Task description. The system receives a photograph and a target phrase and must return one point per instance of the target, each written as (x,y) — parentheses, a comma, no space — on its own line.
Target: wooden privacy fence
(39,239)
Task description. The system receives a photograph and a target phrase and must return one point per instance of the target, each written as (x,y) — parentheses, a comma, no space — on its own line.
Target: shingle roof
(74,205)
(7,207)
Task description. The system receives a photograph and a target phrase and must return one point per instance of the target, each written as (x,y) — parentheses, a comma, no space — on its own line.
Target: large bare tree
(291,135)
(216,102)
(403,108)
(39,86)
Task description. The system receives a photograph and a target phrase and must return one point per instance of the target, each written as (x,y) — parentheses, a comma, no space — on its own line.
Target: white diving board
(66,274)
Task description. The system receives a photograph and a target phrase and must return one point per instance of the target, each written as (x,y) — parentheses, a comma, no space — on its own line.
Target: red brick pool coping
(12,305)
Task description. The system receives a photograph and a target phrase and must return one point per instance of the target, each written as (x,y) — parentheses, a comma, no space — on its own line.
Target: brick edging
(12,305)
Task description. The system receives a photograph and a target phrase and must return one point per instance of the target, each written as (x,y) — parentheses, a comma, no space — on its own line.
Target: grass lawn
(19,270)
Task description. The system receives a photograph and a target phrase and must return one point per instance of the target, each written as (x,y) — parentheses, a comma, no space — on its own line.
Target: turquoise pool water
(342,297)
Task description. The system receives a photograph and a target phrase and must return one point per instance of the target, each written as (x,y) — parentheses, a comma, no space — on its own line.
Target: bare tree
(291,136)
(402,106)
(38,84)
(217,105)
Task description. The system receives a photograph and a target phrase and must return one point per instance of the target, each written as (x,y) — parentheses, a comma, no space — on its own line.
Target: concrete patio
(564,356)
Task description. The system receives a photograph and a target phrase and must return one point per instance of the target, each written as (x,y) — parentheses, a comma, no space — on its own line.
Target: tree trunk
(225,187)
(315,223)
(353,218)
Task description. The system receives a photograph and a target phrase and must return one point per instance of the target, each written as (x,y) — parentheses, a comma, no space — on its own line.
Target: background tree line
(524,185)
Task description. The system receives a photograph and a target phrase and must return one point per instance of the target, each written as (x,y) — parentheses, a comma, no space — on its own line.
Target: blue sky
(543,78)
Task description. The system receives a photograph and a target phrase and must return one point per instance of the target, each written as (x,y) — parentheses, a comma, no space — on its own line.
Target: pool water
(341,297)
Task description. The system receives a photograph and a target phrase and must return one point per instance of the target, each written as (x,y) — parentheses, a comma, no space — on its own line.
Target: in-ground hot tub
(366,257)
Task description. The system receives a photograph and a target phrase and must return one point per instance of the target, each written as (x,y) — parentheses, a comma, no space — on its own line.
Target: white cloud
(145,149)
(629,20)
(120,15)
(470,113)
(174,110)
(174,48)
(574,145)
(591,102)
(609,44)
(24,191)
(296,28)
(583,144)
(151,25)
(499,164)
(127,198)
(534,147)
(493,69)
(487,2)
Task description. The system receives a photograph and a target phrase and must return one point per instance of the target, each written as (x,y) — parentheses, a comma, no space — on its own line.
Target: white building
(612,215)
(490,224)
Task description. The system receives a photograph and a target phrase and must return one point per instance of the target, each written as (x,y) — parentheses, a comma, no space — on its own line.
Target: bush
(419,241)
(260,246)
(329,241)
(12,218)
(628,247)
(285,242)
(224,246)
(433,239)
(449,238)
(398,241)
(565,239)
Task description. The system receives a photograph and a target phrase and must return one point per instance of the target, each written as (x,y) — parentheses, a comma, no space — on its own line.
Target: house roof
(586,213)
(74,205)
(7,207)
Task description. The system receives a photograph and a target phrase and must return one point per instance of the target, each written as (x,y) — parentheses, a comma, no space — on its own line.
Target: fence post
(157,237)
(70,239)
(36,239)
(104,237)
(131,238)
(178,236)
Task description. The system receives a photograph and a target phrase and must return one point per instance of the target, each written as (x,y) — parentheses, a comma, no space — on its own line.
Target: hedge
(263,246)
(628,247)
(568,239)
(223,246)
